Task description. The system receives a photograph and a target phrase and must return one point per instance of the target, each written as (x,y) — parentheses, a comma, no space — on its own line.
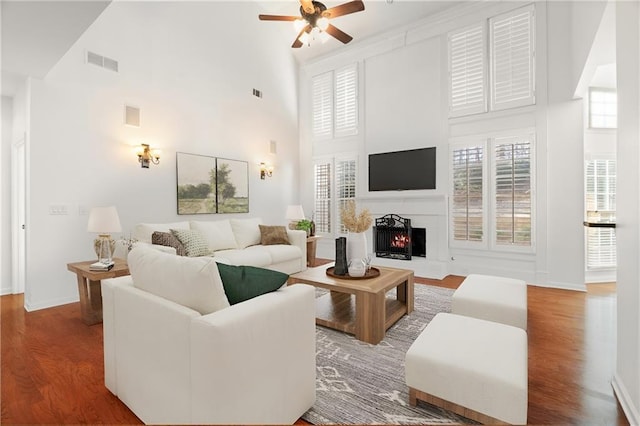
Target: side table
(311,249)
(89,287)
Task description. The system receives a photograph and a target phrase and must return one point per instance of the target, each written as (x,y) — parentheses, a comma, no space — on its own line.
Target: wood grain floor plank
(52,367)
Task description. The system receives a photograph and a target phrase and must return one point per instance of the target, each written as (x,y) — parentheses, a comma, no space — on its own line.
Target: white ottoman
(473,367)
(492,298)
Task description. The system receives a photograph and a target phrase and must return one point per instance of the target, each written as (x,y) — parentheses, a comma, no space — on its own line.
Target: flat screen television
(403,170)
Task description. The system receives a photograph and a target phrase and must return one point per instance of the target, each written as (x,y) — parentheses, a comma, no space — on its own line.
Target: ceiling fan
(314,14)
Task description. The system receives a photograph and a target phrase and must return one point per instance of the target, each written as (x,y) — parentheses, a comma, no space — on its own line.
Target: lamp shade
(295,212)
(104,220)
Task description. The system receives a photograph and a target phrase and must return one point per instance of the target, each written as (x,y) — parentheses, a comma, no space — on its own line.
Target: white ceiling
(36,34)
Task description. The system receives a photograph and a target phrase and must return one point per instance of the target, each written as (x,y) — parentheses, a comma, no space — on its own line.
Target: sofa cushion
(218,233)
(246,282)
(194,243)
(251,256)
(144,231)
(167,239)
(273,235)
(246,231)
(191,282)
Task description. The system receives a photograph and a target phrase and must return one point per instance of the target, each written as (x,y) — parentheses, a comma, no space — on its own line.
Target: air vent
(102,61)
(257,93)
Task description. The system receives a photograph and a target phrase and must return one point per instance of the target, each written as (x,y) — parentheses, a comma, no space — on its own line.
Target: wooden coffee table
(360,307)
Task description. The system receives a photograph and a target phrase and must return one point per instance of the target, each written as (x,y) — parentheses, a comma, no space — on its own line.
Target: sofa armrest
(263,350)
(298,238)
(146,349)
(165,249)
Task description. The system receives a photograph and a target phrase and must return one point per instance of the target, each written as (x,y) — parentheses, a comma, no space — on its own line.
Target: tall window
(467,205)
(512,180)
(507,61)
(467,64)
(498,203)
(335,184)
(322,196)
(601,206)
(603,108)
(335,103)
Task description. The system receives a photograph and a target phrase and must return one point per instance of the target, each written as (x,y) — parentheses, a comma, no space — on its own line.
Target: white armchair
(253,362)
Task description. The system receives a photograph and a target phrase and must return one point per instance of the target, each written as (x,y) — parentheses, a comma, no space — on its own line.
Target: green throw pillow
(245,282)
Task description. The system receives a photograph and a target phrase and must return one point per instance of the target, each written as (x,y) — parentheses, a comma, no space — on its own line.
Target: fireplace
(395,238)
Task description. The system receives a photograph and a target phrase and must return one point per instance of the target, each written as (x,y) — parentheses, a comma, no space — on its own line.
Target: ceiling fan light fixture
(299,24)
(322,23)
(305,38)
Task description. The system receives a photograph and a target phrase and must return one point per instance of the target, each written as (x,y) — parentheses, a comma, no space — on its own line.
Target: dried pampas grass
(355,222)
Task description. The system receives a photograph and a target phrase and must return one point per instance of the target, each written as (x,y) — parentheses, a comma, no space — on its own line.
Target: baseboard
(50,303)
(5,291)
(620,391)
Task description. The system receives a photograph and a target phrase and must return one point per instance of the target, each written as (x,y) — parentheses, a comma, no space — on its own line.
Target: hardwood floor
(52,366)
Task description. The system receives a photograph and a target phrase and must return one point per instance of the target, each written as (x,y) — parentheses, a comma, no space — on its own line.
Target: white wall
(191,73)
(627,377)
(5,195)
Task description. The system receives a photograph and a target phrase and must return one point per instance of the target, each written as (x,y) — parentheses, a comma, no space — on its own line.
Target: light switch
(58,209)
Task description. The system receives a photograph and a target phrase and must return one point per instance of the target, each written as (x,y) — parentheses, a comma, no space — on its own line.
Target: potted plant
(304,225)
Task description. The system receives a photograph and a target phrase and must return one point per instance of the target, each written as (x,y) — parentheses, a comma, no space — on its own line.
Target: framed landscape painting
(208,185)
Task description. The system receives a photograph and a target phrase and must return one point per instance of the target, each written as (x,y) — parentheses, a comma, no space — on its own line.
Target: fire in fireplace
(395,238)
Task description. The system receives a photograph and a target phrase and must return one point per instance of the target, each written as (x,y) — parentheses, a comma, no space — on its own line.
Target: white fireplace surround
(425,211)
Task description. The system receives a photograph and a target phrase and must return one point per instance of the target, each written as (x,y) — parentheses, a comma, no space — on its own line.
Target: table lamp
(294,214)
(103,221)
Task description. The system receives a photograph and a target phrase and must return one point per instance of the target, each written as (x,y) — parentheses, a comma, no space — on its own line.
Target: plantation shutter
(513,204)
(512,59)
(467,205)
(322,105)
(346,117)
(322,197)
(345,187)
(467,88)
(601,206)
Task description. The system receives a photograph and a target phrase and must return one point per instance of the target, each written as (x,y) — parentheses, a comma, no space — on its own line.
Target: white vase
(356,246)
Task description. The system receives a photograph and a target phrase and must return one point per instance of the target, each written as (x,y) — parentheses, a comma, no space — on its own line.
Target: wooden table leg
(90,300)
(404,293)
(370,317)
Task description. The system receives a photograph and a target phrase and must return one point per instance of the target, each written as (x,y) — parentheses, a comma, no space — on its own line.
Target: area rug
(360,383)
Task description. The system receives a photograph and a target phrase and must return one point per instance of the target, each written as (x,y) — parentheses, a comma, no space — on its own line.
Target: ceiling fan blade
(344,9)
(297,43)
(339,34)
(277,18)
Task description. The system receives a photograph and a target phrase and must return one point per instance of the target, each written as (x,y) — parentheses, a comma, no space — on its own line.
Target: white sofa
(252,362)
(237,242)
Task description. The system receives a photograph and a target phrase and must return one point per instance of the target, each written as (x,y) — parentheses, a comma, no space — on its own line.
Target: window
(509,61)
(512,190)
(335,103)
(497,204)
(329,201)
(601,206)
(512,59)
(467,71)
(603,108)
(468,193)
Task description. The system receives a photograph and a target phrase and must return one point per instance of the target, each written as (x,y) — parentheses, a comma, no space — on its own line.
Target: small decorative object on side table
(89,286)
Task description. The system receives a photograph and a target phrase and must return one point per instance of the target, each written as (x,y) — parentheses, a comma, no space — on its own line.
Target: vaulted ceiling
(36,34)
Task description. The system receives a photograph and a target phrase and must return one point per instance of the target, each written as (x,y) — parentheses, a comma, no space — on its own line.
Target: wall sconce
(146,155)
(265,170)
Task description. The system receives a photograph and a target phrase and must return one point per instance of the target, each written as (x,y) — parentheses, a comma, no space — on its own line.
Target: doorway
(18,216)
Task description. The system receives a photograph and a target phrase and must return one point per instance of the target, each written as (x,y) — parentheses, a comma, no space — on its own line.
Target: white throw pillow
(143,231)
(218,233)
(188,281)
(246,231)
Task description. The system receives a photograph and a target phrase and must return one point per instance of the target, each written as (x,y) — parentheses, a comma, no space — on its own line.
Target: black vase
(341,256)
